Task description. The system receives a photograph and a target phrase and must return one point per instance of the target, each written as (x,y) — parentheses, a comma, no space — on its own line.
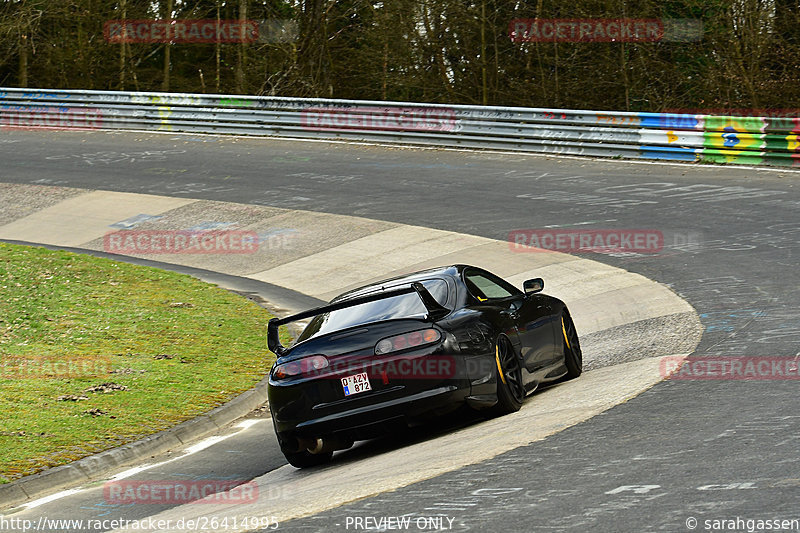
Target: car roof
(438,272)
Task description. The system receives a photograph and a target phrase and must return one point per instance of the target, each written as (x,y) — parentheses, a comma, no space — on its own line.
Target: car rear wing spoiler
(435,311)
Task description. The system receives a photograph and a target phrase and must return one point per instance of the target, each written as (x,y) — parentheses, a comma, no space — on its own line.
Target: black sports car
(412,347)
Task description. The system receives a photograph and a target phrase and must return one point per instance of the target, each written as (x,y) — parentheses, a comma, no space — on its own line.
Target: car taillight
(307,365)
(407,340)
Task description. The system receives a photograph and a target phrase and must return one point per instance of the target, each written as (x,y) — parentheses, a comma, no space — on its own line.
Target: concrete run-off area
(627,322)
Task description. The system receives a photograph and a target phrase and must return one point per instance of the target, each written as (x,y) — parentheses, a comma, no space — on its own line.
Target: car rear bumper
(363,418)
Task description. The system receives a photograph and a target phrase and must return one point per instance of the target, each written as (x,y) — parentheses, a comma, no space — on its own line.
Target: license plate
(355,384)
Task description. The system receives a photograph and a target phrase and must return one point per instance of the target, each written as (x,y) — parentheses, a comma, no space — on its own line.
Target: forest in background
(445,51)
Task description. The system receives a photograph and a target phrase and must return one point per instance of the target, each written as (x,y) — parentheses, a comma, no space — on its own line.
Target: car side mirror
(532,286)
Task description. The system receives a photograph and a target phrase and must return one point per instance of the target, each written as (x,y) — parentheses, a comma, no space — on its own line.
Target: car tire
(510,389)
(573,357)
(306,459)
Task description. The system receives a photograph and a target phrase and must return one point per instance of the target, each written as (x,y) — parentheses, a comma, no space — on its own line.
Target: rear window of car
(403,306)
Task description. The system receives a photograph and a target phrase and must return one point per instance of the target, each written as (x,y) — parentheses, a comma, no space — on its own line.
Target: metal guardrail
(670,136)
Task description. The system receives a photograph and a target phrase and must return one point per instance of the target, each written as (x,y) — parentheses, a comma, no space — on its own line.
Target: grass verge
(95,353)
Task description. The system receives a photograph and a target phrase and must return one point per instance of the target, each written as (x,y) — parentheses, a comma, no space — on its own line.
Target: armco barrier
(671,136)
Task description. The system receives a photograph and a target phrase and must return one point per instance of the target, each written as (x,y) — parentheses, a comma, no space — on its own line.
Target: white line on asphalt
(47,499)
(202,445)
(589,222)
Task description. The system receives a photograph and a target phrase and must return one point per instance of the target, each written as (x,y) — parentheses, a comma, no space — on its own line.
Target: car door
(528,316)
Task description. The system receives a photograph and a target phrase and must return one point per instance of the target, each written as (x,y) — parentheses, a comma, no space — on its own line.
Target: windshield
(403,306)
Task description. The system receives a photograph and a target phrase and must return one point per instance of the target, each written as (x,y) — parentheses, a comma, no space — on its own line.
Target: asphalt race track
(684,450)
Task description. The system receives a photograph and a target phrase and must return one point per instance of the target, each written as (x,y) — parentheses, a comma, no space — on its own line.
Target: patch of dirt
(262,411)
(72,398)
(97,412)
(181,304)
(106,388)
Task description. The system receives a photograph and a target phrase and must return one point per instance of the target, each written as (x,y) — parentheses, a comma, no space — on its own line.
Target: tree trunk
(122,59)
(217,48)
(485,91)
(241,58)
(23,60)
(437,51)
(167,49)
